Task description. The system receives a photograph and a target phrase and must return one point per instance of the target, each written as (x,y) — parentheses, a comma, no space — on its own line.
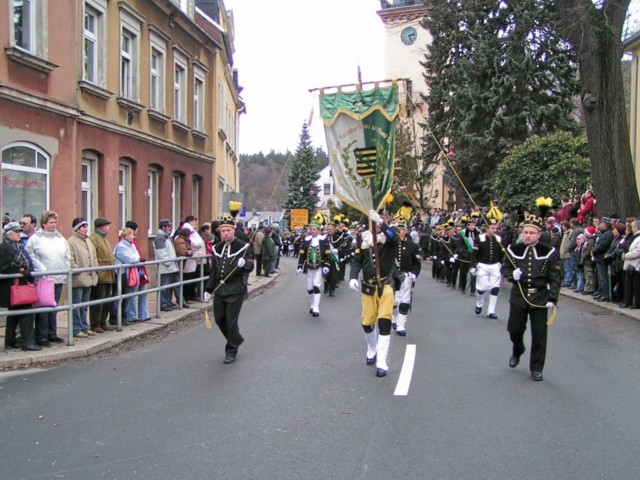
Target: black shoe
(514,361)
(185,305)
(331,294)
(56,340)
(478,310)
(536,376)
(603,299)
(492,316)
(230,358)
(315,314)
(45,343)
(401,333)
(381,372)
(166,309)
(371,361)
(623,305)
(31,348)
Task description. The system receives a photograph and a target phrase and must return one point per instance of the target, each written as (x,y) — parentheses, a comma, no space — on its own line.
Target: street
(300,403)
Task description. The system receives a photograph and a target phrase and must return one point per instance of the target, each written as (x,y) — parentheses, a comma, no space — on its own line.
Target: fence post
(69,309)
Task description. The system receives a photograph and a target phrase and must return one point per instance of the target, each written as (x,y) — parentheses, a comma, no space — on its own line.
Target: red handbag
(133,277)
(24,294)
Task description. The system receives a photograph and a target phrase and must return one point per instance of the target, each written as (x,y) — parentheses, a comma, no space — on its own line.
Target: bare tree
(594,30)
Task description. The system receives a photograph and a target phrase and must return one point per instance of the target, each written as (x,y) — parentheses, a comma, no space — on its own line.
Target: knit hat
(78,223)
(590,231)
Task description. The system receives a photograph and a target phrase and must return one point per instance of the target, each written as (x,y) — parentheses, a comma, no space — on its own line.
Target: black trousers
(226,311)
(26,323)
(464,270)
(517,325)
(98,314)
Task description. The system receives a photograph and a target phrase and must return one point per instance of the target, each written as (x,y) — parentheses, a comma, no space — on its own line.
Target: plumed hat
(234,207)
(227,220)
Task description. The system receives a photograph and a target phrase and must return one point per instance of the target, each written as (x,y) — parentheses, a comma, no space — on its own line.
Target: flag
(359,127)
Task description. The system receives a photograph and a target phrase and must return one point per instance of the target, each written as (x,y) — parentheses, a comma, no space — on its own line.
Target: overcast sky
(286,47)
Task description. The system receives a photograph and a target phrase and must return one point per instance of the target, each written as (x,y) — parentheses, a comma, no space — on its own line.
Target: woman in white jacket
(49,252)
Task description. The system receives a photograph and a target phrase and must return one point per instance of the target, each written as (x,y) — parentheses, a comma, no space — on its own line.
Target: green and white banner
(359,127)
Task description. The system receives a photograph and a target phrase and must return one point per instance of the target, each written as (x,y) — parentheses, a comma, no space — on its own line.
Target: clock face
(408,35)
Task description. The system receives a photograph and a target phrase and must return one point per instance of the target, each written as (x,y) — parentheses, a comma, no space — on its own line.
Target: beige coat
(632,257)
(83,255)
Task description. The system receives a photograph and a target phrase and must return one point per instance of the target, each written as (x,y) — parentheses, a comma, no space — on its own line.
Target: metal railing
(117,295)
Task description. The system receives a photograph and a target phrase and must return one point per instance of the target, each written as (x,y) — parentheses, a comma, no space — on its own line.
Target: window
(180,87)
(157,72)
(130,24)
(28,22)
(176,195)
(25,180)
(195,197)
(327,189)
(87,189)
(198,102)
(94,43)
(152,197)
(124,187)
(125,65)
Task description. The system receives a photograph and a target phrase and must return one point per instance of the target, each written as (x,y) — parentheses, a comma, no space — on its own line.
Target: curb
(17,359)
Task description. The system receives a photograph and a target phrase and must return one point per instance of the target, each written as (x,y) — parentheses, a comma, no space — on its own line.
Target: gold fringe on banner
(552,318)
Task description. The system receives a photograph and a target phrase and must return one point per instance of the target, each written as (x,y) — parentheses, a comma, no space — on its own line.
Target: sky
(286,47)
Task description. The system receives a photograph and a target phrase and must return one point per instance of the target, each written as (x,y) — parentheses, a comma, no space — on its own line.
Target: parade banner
(359,127)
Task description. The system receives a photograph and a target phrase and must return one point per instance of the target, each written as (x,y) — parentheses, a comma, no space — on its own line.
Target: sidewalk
(82,347)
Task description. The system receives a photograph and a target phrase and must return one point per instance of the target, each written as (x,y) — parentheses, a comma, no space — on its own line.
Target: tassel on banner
(310,117)
(207,322)
(552,317)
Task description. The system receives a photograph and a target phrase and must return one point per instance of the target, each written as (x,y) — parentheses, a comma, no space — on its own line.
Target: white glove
(241,262)
(442,262)
(325,270)
(207,297)
(517,274)
(299,271)
(375,217)
(551,305)
(434,258)
(334,251)
(367,239)
(455,256)
(452,260)
(354,285)
(473,272)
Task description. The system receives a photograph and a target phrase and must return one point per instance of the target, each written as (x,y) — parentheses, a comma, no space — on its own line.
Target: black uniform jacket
(540,280)
(364,260)
(409,256)
(305,257)
(226,276)
(487,249)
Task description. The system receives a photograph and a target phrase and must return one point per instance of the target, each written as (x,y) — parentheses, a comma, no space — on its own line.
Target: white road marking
(402,387)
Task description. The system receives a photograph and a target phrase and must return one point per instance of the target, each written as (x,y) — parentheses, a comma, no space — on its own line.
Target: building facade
(406,43)
(107,111)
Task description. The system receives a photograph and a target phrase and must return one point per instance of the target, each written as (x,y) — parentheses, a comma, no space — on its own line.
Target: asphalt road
(300,403)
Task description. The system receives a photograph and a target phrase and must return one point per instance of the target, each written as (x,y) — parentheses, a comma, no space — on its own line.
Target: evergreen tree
(497,73)
(303,176)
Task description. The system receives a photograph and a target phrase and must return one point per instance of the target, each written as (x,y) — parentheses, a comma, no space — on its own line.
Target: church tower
(405,45)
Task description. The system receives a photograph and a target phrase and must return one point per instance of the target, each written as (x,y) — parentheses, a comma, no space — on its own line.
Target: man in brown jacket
(104,287)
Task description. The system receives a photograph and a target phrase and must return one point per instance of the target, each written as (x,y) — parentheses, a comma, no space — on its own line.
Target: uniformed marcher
(464,252)
(377,292)
(408,257)
(232,258)
(534,270)
(487,257)
(313,261)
